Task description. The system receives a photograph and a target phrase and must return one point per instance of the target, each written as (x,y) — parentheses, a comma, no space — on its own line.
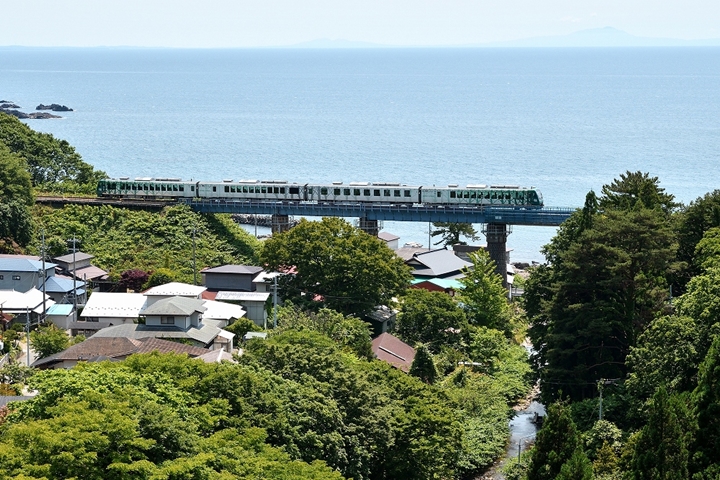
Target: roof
(11,255)
(181,306)
(79,256)
(94,348)
(265,277)
(58,309)
(437,263)
(243,296)
(387,237)
(205,334)
(406,253)
(444,283)
(222,311)
(394,351)
(88,325)
(176,289)
(114,305)
(217,356)
(235,269)
(23,265)
(63,285)
(19,302)
(90,272)
(5,399)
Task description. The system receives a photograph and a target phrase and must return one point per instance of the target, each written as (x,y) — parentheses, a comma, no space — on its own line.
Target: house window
(167,320)
(16,277)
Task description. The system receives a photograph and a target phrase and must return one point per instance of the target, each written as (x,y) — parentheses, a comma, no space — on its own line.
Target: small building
(73,261)
(382,319)
(391,240)
(254,303)
(65,290)
(23,274)
(231,277)
(180,312)
(221,314)
(446,285)
(114,349)
(61,315)
(394,351)
(264,281)
(440,263)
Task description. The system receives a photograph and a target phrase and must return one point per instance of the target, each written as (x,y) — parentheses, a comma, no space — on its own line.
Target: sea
(565,121)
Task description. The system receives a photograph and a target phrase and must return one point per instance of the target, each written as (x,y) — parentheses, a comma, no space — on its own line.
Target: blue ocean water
(562,120)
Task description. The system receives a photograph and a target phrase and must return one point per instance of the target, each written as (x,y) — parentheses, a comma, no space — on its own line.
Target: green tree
(661,451)
(432,319)
(665,354)
(557,442)
(636,190)
(335,265)
(605,285)
(696,219)
(483,295)
(701,302)
(423,366)
(578,467)
(161,276)
(16,197)
(53,164)
(707,399)
(48,339)
(450,233)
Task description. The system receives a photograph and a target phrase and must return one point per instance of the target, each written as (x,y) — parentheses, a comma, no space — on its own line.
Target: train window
(473,194)
(439,194)
(396,193)
(407,193)
(163,188)
(356,192)
(466,194)
(181,188)
(323,191)
(310,190)
(134,187)
(376,192)
(487,195)
(386,193)
(265,190)
(214,188)
(366,192)
(152,188)
(175,188)
(227,188)
(282,190)
(346,191)
(452,194)
(192,188)
(336,191)
(294,190)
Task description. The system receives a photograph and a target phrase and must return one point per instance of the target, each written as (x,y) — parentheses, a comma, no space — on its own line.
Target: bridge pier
(280,223)
(371,227)
(496,235)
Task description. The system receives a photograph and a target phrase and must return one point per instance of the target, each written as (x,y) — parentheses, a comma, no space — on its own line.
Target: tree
(606,282)
(450,233)
(483,295)
(16,198)
(661,451)
(636,190)
(423,366)
(707,399)
(335,265)
(48,339)
(578,467)
(696,219)
(432,319)
(161,276)
(133,279)
(557,442)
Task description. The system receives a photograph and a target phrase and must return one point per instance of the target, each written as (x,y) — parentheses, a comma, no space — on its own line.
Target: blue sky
(259,23)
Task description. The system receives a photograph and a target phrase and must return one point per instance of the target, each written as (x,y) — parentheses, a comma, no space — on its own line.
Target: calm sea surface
(565,121)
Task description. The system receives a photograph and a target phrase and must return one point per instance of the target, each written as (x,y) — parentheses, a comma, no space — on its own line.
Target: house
(231,277)
(265,281)
(394,351)
(253,302)
(79,266)
(390,240)
(221,314)
(22,274)
(61,315)
(114,349)
(382,319)
(30,304)
(440,263)
(446,285)
(105,309)
(61,289)
(177,318)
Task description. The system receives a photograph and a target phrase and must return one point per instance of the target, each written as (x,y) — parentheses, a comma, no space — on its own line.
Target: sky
(269,23)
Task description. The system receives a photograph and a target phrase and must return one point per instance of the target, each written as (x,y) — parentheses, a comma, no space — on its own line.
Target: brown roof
(117,347)
(391,349)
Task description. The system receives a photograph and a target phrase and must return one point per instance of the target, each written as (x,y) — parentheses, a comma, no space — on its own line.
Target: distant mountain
(595,37)
(327,43)
(602,37)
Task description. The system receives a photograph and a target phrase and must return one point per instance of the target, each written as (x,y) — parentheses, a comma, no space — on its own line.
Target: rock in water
(54,107)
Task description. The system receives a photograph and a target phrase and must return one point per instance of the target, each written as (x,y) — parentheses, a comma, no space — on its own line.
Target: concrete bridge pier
(280,223)
(496,235)
(371,227)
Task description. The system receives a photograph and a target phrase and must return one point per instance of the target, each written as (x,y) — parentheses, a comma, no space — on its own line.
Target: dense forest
(623,318)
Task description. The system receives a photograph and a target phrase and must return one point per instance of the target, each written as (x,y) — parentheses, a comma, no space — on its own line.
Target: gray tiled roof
(175,306)
(437,263)
(205,335)
(236,269)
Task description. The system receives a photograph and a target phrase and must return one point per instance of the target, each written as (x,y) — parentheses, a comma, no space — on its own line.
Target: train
(336,192)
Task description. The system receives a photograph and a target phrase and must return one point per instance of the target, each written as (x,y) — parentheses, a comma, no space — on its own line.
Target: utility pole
(275,302)
(74,249)
(27,333)
(42,252)
(194,266)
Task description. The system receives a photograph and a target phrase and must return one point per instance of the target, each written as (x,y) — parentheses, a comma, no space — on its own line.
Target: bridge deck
(547,216)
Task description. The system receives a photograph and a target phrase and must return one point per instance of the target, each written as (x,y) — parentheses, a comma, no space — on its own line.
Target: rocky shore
(11,108)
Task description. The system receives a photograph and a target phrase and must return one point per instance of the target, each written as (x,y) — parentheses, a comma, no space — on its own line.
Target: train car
(472,195)
(364,192)
(278,190)
(148,188)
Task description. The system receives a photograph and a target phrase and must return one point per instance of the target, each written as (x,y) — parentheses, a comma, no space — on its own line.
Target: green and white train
(336,192)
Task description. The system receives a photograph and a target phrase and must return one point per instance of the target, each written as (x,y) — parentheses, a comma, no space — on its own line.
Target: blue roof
(62,285)
(60,309)
(23,265)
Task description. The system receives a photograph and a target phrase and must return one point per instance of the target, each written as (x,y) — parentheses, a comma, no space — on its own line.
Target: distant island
(11,108)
